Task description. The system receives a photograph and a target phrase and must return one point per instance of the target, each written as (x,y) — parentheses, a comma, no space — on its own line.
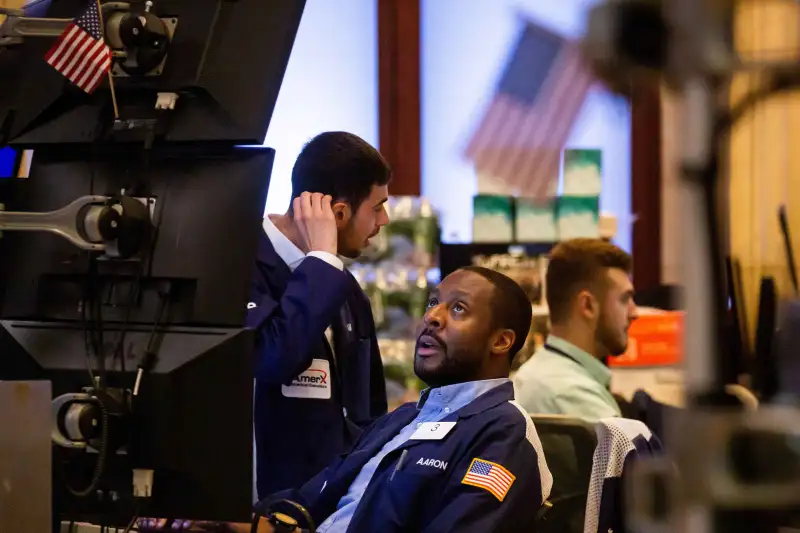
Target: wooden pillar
(646,186)
(671,224)
(399,91)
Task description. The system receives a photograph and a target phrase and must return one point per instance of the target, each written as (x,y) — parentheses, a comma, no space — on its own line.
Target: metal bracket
(166,101)
(171,24)
(62,222)
(57,405)
(17,27)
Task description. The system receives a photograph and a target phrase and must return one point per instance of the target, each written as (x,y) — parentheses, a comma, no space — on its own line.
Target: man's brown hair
(577,265)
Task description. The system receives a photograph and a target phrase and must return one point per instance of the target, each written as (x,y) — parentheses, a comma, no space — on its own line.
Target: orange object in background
(653,340)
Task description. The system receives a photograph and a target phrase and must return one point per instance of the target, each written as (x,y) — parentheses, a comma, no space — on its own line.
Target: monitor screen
(8,162)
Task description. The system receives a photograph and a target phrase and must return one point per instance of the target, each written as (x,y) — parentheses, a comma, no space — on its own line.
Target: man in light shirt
(590,298)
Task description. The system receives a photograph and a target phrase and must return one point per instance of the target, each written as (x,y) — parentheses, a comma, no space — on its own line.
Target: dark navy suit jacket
(297,437)
(428,492)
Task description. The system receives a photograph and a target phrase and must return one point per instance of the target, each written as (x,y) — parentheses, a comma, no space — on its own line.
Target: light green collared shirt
(575,384)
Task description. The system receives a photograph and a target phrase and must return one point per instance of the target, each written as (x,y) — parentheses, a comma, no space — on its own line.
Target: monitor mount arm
(17,27)
(116,226)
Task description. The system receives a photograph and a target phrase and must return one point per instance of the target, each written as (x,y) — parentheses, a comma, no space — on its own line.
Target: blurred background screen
(8,159)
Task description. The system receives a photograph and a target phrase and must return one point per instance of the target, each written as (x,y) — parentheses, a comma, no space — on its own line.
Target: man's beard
(345,237)
(343,250)
(452,368)
(610,342)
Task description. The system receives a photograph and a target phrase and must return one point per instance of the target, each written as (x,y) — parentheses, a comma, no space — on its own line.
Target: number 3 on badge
(432,430)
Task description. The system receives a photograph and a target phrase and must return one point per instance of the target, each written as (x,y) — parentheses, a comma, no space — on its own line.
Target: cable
(86,340)
(787,244)
(150,356)
(89,315)
(135,290)
(103,501)
(97,308)
(133,295)
(91,308)
(101,455)
(136,287)
(146,259)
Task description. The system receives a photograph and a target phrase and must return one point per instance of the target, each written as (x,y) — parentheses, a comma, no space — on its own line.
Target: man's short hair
(576,265)
(511,308)
(340,164)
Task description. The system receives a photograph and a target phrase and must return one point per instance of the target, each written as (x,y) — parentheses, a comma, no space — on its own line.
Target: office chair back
(620,441)
(568,445)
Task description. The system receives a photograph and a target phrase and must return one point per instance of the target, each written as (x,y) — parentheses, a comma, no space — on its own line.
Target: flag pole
(110,76)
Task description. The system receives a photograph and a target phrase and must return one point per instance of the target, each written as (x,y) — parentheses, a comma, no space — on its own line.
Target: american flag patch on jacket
(489,476)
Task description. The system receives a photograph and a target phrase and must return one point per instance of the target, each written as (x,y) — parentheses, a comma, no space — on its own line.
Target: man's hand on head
(314,217)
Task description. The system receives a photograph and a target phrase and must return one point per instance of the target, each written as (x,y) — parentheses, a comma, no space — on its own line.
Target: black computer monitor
(209,203)
(191,421)
(226,61)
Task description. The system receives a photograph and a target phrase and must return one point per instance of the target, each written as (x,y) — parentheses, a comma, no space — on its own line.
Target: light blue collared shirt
(575,384)
(434,405)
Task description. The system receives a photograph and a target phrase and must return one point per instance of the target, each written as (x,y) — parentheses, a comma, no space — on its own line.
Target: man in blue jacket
(464,458)
(319,377)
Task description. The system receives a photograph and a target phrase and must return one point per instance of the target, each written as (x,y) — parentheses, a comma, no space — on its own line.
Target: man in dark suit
(319,376)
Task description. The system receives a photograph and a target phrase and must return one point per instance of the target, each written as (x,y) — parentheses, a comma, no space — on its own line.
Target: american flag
(521,135)
(490,476)
(80,53)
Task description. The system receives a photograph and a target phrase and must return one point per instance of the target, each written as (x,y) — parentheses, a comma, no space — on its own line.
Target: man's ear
(588,304)
(503,341)
(342,212)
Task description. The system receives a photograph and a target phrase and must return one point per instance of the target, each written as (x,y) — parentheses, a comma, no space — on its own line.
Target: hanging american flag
(521,135)
(80,53)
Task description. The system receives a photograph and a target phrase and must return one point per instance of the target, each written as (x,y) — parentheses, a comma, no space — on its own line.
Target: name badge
(314,383)
(432,430)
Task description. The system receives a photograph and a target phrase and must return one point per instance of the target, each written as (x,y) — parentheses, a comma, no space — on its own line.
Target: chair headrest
(576,427)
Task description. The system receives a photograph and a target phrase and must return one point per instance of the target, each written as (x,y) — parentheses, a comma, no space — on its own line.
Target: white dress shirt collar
(286,249)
